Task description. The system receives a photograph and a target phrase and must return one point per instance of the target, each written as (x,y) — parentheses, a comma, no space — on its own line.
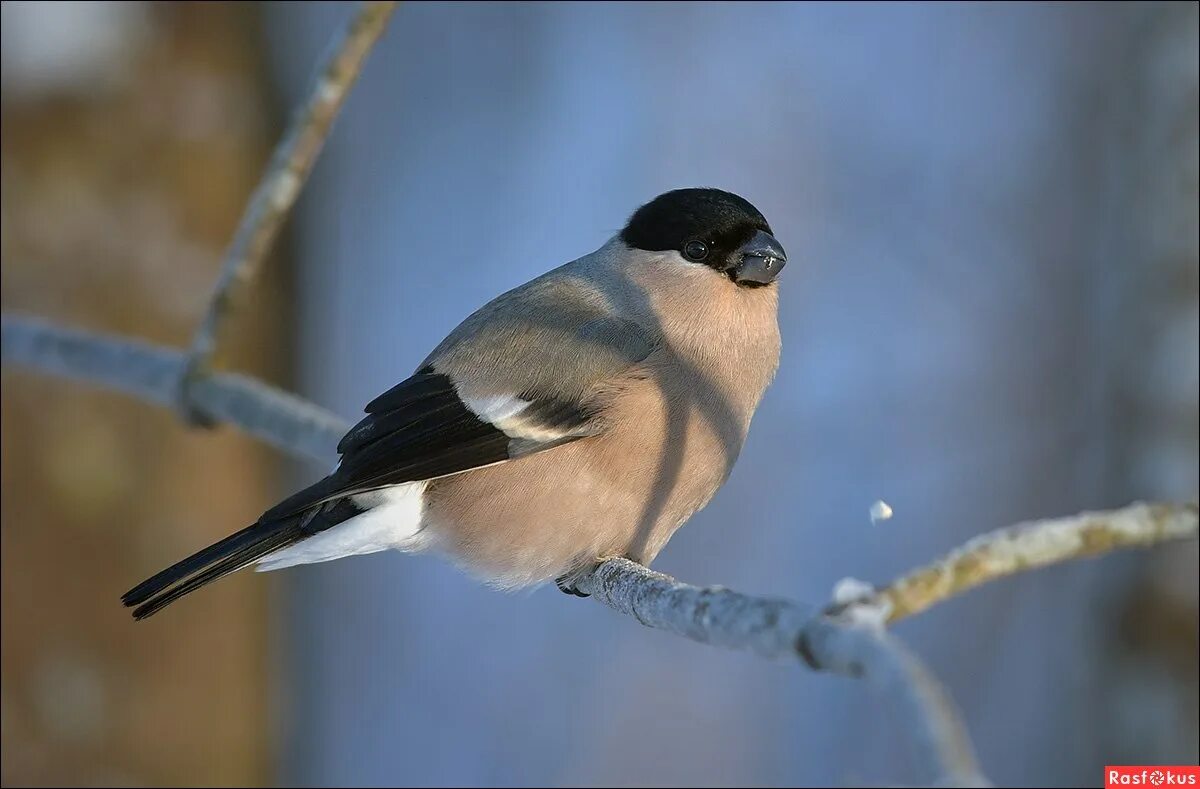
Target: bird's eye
(695,250)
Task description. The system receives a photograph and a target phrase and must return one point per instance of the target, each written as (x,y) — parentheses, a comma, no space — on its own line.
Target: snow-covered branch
(1028,546)
(848,638)
(151,373)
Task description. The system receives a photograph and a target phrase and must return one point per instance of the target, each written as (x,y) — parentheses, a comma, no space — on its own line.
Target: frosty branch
(1028,546)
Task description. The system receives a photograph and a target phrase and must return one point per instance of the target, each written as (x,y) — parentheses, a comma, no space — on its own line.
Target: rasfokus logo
(1151,775)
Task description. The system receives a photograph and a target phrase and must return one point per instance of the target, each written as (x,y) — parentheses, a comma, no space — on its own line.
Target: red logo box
(1151,775)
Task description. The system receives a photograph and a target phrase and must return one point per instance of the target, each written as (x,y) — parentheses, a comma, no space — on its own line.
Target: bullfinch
(583,415)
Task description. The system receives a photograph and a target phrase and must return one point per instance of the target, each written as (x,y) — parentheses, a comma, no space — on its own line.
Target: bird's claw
(564,586)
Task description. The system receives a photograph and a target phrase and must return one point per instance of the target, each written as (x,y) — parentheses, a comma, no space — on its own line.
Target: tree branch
(769,627)
(286,173)
(1028,546)
(151,373)
(774,628)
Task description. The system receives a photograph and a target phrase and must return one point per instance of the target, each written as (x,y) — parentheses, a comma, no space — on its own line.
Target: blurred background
(990,315)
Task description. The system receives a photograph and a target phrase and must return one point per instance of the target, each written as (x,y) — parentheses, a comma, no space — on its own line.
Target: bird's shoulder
(556,336)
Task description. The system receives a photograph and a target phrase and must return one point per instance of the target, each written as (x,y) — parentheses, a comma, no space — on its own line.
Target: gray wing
(555,337)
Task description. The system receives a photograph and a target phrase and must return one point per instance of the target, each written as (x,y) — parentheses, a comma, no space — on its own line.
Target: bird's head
(709,227)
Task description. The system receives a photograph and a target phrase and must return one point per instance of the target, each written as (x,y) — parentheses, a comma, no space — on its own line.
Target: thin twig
(285,175)
(1028,546)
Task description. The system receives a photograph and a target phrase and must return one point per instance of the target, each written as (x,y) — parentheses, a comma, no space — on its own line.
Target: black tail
(217,560)
(292,520)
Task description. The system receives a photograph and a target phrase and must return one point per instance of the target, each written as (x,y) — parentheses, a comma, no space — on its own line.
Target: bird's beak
(762,260)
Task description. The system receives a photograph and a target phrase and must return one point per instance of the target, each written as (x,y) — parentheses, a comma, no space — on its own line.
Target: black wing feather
(418,430)
(424,384)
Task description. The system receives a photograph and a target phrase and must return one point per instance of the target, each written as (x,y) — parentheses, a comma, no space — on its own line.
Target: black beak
(762,260)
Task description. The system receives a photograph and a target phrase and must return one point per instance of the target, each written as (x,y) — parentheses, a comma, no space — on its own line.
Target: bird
(583,415)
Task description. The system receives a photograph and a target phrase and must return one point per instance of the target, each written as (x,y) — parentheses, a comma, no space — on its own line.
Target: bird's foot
(566,585)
